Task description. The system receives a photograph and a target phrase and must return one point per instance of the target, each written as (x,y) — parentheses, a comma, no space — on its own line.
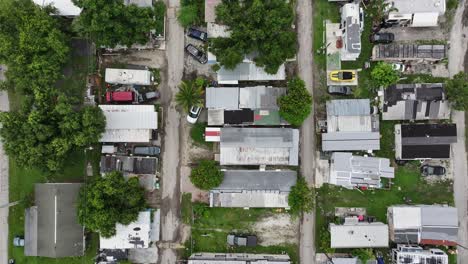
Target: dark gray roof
(409,52)
(129,164)
(58,232)
(257,137)
(353,36)
(407,236)
(236,180)
(440,233)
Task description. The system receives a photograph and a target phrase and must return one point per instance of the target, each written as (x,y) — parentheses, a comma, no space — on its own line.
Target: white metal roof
(129,123)
(64,7)
(360,235)
(126,76)
(406,217)
(134,235)
(249,72)
(222,97)
(417,6)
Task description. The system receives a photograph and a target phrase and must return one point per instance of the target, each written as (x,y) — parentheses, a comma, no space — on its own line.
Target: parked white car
(193,114)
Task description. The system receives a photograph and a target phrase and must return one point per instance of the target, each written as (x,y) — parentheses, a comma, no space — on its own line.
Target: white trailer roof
(126,76)
(360,235)
(134,235)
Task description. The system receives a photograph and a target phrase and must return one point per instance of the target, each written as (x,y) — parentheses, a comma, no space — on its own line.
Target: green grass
(407,185)
(212,225)
(197,133)
(160,10)
(22,182)
(387,139)
(186,208)
(323,10)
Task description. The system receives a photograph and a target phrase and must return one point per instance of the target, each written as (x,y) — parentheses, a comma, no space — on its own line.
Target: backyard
(210,227)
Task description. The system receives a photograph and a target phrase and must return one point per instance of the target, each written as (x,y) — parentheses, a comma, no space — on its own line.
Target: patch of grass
(387,139)
(186,208)
(407,185)
(160,12)
(197,133)
(22,182)
(323,10)
(212,225)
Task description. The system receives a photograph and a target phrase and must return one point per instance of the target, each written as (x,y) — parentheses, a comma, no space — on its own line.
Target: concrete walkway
(4,106)
(307,145)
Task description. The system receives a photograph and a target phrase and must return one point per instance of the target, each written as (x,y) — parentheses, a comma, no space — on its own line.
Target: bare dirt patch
(277,229)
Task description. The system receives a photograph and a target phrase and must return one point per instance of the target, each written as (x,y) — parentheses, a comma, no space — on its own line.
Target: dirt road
(170,213)
(458,49)
(304,56)
(4,106)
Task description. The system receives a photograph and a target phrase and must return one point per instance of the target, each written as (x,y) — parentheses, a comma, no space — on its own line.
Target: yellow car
(342,76)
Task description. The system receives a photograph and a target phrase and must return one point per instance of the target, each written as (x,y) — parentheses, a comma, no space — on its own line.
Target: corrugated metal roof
(256,146)
(237,258)
(337,141)
(222,97)
(269,180)
(249,72)
(215,117)
(431,216)
(348,107)
(360,235)
(260,97)
(354,260)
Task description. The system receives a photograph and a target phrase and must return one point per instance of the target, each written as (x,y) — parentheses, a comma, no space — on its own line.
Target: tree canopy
(111,22)
(31,45)
(457,91)
(301,198)
(384,75)
(192,12)
(296,105)
(206,175)
(108,200)
(190,93)
(257,27)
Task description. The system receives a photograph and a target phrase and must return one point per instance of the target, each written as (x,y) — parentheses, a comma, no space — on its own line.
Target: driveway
(304,56)
(170,210)
(4,106)
(458,49)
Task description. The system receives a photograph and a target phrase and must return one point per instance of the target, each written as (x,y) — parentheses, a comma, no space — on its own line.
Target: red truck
(120,97)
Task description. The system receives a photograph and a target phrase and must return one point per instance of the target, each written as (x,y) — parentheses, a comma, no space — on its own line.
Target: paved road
(304,56)
(170,213)
(4,106)
(458,49)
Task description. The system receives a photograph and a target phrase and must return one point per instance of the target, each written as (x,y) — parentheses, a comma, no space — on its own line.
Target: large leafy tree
(31,45)
(296,105)
(384,75)
(301,198)
(206,175)
(257,27)
(457,91)
(109,200)
(42,134)
(190,94)
(110,22)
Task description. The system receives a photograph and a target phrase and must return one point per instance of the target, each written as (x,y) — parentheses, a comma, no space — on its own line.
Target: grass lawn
(406,185)
(212,225)
(186,208)
(197,133)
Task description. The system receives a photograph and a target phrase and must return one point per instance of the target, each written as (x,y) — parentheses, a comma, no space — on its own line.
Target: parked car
(18,241)
(243,241)
(427,170)
(340,90)
(383,38)
(199,55)
(144,97)
(197,34)
(193,114)
(146,151)
(342,76)
(120,97)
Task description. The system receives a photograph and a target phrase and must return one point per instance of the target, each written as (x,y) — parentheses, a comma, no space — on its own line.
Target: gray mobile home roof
(341,141)
(353,36)
(53,230)
(253,188)
(354,260)
(222,97)
(129,164)
(237,258)
(408,52)
(260,97)
(354,171)
(359,235)
(257,146)
(420,101)
(348,107)
(246,71)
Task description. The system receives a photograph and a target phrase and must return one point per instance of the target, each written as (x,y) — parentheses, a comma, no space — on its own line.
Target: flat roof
(128,76)
(64,7)
(237,258)
(341,141)
(360,235)
(260,97)
(222,97)
(257,146)
(417,6)
(134,235)
(247,71)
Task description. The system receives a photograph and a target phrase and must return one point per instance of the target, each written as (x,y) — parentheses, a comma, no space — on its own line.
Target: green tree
(31,45)
(257,27)
(384,75)
(206,175)
(190,94)
(188,15)
(296,105)
(111,22)
(457,91)
(364,254)
(108,200)
(301,198)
